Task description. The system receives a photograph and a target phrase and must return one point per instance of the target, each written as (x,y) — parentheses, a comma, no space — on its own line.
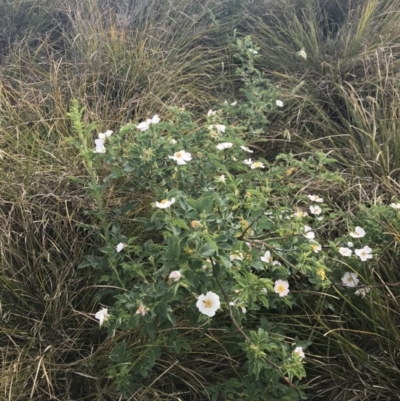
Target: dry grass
(343,98)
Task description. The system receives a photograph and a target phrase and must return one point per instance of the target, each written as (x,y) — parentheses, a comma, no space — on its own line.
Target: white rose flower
(224,145)
(298,351)
(357,233)
(362,291)
(120,247)
(345,251)
(315,198)
(315,209)
(155,119)
(302,54)
(364,253)
(208,304)
(175,275)
(100,148)
(181,157)
(257,165)
(267,258)
(281,287)
(350,279)
(219,127)
(299,214)
(246,149)
(310,235)
(101,315)
(165,203)
(316,247)
(144,125)
(221,178)
(142,310)
(236,256)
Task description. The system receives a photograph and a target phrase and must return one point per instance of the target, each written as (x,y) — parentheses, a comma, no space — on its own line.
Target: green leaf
(180,223)
(242,281)
(264,301)
(193,204)
(258,265)
(173,247)
(186,346)
(84,264)
(207,250)
(184,204)
(176,231)
(148,245)
(171,318)
(177,346)
(225,261)
(265,223)
(206,204)
(221,238)
(224,245)
(210,241)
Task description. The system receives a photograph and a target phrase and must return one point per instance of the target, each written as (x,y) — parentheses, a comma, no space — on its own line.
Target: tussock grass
(344,96)
(45,322)
(116,68)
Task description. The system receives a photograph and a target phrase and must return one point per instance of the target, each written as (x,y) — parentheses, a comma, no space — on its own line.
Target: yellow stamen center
(164,201)
(179,155)
(281,288)
(208,303)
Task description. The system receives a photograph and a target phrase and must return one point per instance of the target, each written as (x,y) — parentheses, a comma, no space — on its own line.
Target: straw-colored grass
(344,97)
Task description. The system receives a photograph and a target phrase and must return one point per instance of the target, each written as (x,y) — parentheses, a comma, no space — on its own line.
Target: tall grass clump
(338,64)
(120,60)
(47,335)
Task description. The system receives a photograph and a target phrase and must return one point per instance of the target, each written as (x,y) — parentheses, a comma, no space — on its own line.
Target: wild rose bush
(233,236)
